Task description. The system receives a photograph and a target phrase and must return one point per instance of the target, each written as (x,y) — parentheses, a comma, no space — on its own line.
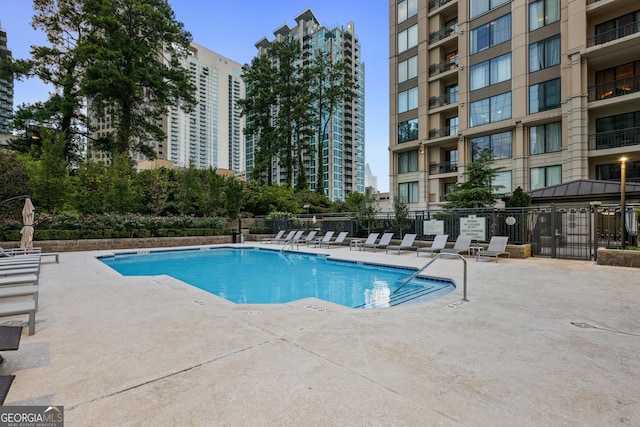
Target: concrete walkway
(539,343)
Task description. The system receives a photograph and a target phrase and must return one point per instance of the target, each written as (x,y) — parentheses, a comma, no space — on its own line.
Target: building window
(451,94)
(408,69)
(408,100)
(408,38)
(491,34)
(408,131)
(544,96)
(545,138)
(544,54)
(621,26)
(452,125)
(498,144)
(408,161)
(490,110)
(545,176)
(407,9)
(620,130)
(490,72)
(611,172)
(543,12)
(502,182)
(408,192)
(478,7)
(617,81)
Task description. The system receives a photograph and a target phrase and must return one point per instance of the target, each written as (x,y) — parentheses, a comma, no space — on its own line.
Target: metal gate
(562,232)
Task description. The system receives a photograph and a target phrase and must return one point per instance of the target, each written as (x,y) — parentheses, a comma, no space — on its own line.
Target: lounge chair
(272,239)
(385,240)
(463,243)
(497,247)
(407,243)
(371,239)
(296,236)
(338,241)
(28,252)
(286,238)
(308,238)
(439,243)
(327,237)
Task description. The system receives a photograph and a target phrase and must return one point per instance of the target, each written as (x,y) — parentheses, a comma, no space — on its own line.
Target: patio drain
(314,308)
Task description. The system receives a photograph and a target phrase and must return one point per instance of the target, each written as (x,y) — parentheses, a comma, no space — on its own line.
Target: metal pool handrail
(414,275)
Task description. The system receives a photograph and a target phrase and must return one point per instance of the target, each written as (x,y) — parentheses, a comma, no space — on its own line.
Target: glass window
(479,113)
(406,9)
(499,144)
(408,38)
(408,131)
(491,34)
(490,72)
(545,138)
(490,110)
(408,161)
(543,12)
(408,100)
(545,176)
(502,182)
(544,96)
(478,7)
(408,69)
(408,192)
(544,54)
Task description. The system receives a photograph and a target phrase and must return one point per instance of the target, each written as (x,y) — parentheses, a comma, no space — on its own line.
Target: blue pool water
(262,276)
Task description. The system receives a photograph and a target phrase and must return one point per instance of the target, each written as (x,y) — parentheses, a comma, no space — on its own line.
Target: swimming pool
(264,276)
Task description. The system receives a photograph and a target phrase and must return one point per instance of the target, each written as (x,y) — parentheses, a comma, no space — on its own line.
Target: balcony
(615,34)
(441,101)
(443,132)
(614,88)
(444,66)
(444,167)
(436,36)
(614,139)
(434,4)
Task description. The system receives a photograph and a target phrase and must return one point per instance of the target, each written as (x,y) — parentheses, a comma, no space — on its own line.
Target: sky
(232,28)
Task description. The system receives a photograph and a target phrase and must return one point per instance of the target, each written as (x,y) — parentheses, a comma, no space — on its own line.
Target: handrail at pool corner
(414,275)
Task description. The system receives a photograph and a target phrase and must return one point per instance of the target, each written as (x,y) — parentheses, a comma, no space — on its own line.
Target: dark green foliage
(518,199)
(14,181)
(48,176)
(401,215)
(477,191)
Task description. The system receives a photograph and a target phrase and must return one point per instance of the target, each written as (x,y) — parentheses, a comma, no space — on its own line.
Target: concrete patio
(540,342)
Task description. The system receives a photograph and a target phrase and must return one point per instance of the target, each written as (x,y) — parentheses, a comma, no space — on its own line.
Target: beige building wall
(594,123)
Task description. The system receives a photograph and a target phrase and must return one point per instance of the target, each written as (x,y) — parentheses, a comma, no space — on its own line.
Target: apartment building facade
(343,147)
(551,87)
(6,93)
(212,135)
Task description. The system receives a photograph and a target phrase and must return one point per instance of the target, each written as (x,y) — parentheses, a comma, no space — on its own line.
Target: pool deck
(540,342)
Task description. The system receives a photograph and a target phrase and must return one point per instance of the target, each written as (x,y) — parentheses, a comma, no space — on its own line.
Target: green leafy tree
(478,190)
(90,185)
(135,73)
(14,181)
(401,215)
(364,208)
(212,193)
(48,176)
(233,196)
(121,195)
(190,191)
(154,187)
(518,199)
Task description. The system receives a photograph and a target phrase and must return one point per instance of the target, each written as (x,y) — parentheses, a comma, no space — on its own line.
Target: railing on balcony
(441,101)
(616,33)
(444,167)
(614,88)
(614,139)
(443,66)
(441,133)
(443,33)
(433,4)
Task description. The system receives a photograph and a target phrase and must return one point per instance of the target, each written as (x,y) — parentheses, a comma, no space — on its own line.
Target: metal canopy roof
(584,189)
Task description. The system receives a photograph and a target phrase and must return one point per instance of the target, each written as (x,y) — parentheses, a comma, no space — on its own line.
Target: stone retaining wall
(618,257)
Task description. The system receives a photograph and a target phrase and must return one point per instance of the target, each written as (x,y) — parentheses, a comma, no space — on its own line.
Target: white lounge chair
(407,243)
(308,238)
(327,237)
(272,239)
(296,236)
(286,238)
(463,243)
(439,243)
(338,241)
(385,240)
(497,246)
(371,239)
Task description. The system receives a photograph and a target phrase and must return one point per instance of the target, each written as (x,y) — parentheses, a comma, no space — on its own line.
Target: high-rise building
(551,87)
(6,92)
(343,153)
(212,135)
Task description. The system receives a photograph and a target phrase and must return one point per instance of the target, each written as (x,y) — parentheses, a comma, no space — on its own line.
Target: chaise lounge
(497,246)
(439,243)
(406,244)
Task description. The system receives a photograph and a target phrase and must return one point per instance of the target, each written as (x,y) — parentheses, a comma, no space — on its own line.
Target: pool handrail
(441,255)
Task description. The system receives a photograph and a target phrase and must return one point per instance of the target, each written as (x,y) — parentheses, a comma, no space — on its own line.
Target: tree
(401,214)
(14,181)
(364,208)
(478,190)
(154,186)
(121,195)
(136,49)
(330,85)
(518,199)
(90,185)
(233,196)
(48,176)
